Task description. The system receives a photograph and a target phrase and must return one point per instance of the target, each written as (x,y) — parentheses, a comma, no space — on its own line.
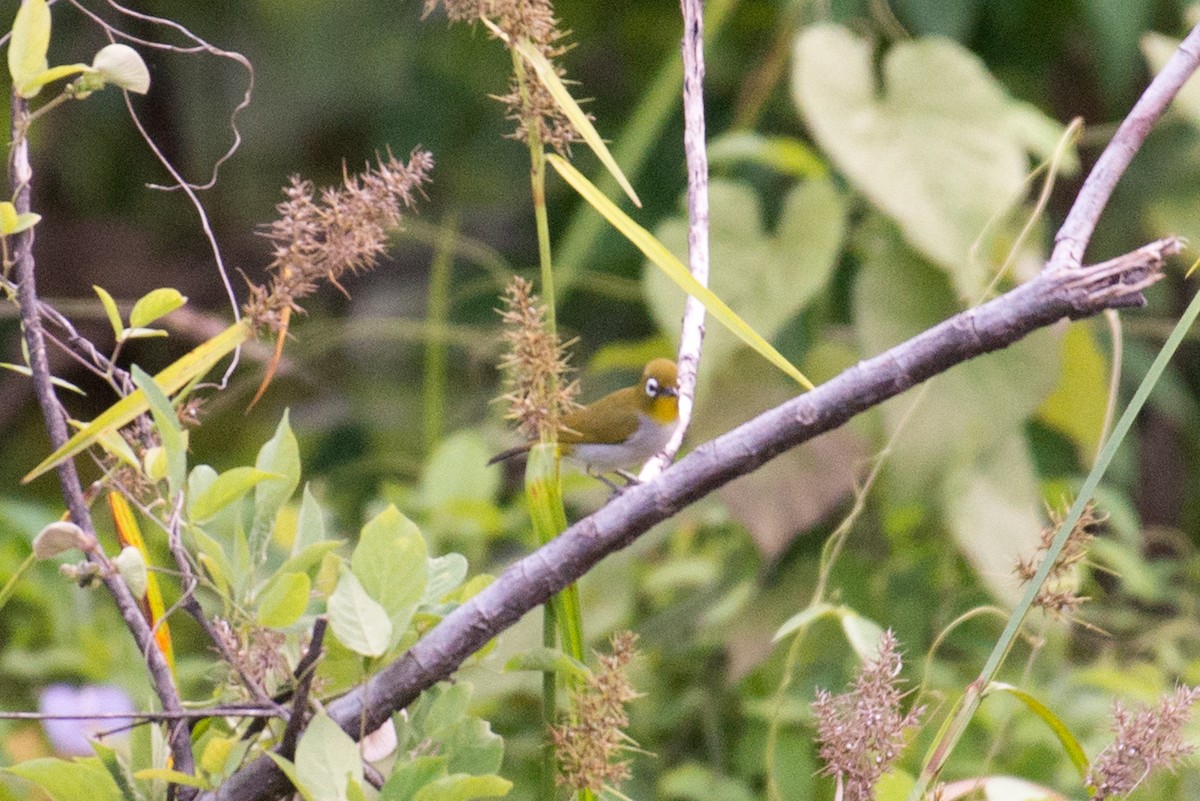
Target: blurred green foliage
(837,240)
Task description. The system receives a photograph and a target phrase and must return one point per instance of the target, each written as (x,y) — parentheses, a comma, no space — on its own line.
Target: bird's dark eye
(652,387)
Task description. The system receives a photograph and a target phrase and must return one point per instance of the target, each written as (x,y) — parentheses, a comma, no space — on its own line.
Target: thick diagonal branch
(1058,294)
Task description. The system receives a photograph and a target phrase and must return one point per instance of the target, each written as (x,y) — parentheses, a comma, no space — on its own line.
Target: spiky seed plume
(531,20)
(344,230)
(862,732)
(1147,739)
(589,747)
(536,362)
(1059,596)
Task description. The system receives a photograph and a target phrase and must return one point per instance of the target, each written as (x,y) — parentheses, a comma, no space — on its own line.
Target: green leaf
(310,557)
(34,86)
(459,787)
(939,146)
(310,523)
(24,370)
(111,310)
(327,759)
(183,371)
(803,619)
(695,782)
(155,304)
(786,155)
(993,510)
(409,777)
(13,223)
(279,455)
(657,253)
(445,573)
(547,660)
(357,619)
(862,633)
(118,770)
(966,412)
(457,472)
(1070,745)
(166,422)
(173,776)
(289,769)
(283,600)
(471,747)
(28,46)
(392,564)
(1078,404)
(62,780)
(141,333)
(225,490)
(767,277)
(895,785)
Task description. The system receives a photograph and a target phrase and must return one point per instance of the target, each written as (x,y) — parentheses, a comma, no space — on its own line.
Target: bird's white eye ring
(652,387)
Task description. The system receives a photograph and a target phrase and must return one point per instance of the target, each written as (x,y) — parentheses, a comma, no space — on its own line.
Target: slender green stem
(437,314)
(537,183)
(11,585)
(960,717)
(542,483)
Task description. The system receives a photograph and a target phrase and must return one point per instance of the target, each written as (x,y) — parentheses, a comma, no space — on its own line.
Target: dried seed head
(343,231)
(533,21)
(588,748)
(862,732)
(539,392)
(1059,596)
(1147,739)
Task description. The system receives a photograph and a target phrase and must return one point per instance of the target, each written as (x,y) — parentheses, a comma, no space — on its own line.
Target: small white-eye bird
(624,428)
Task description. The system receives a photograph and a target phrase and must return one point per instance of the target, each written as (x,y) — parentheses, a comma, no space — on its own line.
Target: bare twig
(1071,241)
(20,177)
(226,711)
(691,339)
(305,671)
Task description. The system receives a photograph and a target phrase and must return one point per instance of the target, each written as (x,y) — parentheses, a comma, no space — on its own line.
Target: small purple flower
(70,737)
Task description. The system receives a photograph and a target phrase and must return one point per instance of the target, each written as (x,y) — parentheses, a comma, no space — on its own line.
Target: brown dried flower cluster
(1058,596)
(862,732)
(539,394)
(1147,739)
(258,653)
(343,231)
(531,20)
(588,748)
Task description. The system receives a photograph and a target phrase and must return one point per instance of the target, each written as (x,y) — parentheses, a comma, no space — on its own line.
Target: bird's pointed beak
(669,392)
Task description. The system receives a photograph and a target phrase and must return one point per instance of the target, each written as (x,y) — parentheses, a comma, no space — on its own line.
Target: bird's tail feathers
(504,456)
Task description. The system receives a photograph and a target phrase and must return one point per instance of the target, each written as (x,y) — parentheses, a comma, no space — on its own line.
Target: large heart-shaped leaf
(938,146)
(768,277)
(968,410)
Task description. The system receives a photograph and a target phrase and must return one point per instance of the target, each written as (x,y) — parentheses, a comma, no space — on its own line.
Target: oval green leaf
(227,488)
(283,600)
(28,46)
(154,304)
(357,619)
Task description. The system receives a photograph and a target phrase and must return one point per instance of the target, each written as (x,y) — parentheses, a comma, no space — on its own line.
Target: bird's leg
(630,479)
(600,477)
